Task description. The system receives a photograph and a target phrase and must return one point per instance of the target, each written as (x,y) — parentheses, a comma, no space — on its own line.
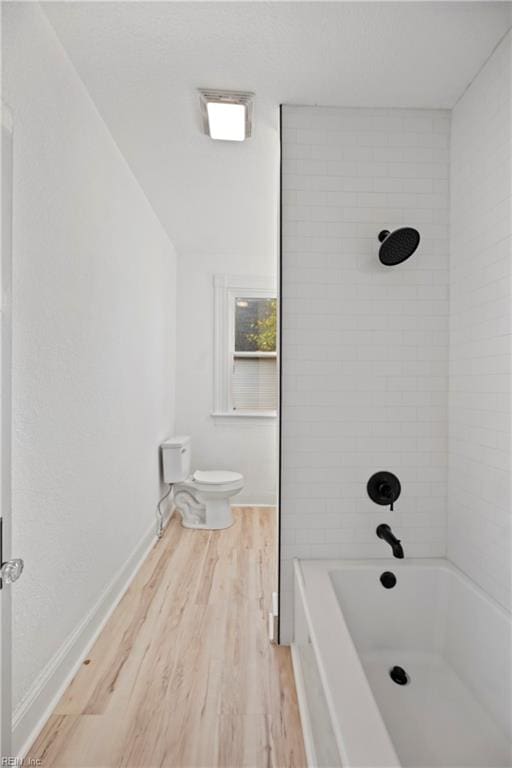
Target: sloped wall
(93,357)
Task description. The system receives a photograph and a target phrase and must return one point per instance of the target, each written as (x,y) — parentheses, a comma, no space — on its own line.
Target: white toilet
(202,498)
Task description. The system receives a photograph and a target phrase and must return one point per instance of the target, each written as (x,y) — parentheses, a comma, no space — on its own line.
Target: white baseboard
(265,506)
(37,705)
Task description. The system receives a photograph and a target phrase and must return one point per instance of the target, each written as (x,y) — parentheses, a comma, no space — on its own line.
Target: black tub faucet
(384,532)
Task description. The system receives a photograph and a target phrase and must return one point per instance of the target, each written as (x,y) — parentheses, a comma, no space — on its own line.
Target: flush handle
(11,570)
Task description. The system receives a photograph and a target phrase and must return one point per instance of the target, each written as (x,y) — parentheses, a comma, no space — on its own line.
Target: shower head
(397,246)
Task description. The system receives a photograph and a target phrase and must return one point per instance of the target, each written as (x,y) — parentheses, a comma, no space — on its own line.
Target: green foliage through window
(255,325)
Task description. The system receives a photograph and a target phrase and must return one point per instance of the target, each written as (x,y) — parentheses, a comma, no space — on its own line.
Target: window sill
(244,415)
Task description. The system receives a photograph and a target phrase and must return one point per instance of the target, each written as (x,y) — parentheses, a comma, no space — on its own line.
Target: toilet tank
(176,459)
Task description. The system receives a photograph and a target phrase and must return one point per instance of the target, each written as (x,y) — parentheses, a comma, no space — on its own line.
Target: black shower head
(397,246)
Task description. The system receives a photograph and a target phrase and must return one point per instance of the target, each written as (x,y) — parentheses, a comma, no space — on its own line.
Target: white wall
(364,346)
(93,368)
(481,214)
(236,233)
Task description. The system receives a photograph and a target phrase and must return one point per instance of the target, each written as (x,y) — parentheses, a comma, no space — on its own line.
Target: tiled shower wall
(365,347)
(480,254)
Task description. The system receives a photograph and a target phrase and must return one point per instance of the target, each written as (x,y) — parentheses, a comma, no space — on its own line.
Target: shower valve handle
(384,488)
(387,492)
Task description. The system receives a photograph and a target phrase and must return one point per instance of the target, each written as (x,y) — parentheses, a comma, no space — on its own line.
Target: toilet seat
(216,477)
(214,483)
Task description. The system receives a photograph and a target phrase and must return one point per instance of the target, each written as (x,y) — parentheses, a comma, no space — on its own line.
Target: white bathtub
(453,641)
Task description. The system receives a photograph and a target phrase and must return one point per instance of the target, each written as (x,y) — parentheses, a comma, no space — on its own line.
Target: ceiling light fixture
(227,115)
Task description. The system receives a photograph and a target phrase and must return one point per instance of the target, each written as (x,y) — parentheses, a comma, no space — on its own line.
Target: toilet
(202,498)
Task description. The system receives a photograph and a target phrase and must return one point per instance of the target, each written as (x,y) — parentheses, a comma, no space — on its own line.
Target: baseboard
(37,705)
(244,505)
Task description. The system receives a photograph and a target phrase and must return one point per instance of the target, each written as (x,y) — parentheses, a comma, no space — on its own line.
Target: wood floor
(183,675)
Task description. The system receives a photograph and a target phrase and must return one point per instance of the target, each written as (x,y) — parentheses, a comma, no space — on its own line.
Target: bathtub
(452,640)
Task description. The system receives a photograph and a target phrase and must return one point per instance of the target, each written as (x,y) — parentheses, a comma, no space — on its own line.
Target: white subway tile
(365,348)
(479,518)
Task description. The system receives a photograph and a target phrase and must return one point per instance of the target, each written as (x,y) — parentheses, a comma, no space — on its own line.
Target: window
(246,375)
(254,380)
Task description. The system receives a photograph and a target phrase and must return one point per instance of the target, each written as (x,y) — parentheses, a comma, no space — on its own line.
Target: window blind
(254,383)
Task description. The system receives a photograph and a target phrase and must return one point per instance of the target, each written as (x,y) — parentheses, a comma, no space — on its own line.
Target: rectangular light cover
(226,115)
(226,121)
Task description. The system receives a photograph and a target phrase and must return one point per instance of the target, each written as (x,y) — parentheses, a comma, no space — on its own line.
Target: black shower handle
(384,488)
(386,491)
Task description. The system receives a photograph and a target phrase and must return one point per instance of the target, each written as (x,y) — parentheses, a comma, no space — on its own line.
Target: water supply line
(160,514)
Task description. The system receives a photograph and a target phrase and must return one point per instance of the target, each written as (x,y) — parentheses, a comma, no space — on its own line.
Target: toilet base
(205,526)
(207,514)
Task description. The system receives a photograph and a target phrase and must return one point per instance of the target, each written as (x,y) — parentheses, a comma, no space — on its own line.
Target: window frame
(228,288)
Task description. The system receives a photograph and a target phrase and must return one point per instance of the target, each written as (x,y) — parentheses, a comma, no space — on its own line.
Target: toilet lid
(216,477)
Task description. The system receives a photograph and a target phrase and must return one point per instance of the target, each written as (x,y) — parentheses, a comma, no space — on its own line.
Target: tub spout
(384,532)
(398,550)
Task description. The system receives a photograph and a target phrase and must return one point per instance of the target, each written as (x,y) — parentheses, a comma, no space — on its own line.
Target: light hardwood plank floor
(183,674)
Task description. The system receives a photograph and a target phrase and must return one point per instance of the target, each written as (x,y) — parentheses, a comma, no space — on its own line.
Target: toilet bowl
(202,498)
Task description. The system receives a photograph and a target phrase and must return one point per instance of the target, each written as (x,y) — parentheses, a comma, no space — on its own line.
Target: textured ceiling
(142,61)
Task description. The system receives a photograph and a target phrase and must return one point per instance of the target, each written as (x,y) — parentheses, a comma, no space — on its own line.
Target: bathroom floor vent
(273,619)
